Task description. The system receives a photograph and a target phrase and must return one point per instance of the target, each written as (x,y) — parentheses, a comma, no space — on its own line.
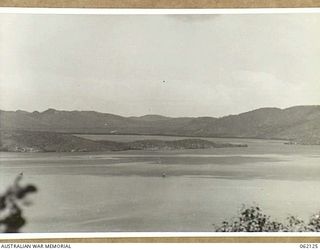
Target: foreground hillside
(300,124)
(27,141)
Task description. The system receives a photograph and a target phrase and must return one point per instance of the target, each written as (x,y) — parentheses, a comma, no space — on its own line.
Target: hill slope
(299,123)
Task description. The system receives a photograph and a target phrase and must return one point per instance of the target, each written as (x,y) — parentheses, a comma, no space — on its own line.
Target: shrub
(252,219)
(314,223)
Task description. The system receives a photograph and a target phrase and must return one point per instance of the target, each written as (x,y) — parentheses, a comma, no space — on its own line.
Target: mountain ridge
(297,123)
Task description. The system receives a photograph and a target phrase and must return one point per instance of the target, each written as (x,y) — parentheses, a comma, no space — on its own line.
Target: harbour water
(127,191)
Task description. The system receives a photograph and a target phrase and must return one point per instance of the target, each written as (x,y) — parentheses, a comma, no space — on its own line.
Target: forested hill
(299,123)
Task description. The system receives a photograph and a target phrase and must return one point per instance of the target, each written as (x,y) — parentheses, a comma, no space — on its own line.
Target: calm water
(125,191)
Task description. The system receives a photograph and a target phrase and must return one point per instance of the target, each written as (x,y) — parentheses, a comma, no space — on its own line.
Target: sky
(173,65)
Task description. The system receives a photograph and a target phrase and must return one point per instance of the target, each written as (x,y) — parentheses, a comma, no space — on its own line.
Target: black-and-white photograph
(159,122)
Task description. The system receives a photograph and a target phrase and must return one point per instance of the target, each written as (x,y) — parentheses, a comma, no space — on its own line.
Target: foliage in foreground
(252,219)
(11,216)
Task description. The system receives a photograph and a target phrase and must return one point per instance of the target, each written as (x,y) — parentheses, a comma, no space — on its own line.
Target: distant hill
(299,123)
(30,141)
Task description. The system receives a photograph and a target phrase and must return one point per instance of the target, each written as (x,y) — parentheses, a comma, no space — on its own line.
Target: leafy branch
(11,202)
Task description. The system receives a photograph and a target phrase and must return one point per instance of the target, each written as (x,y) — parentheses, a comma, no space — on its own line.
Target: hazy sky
(212,65)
